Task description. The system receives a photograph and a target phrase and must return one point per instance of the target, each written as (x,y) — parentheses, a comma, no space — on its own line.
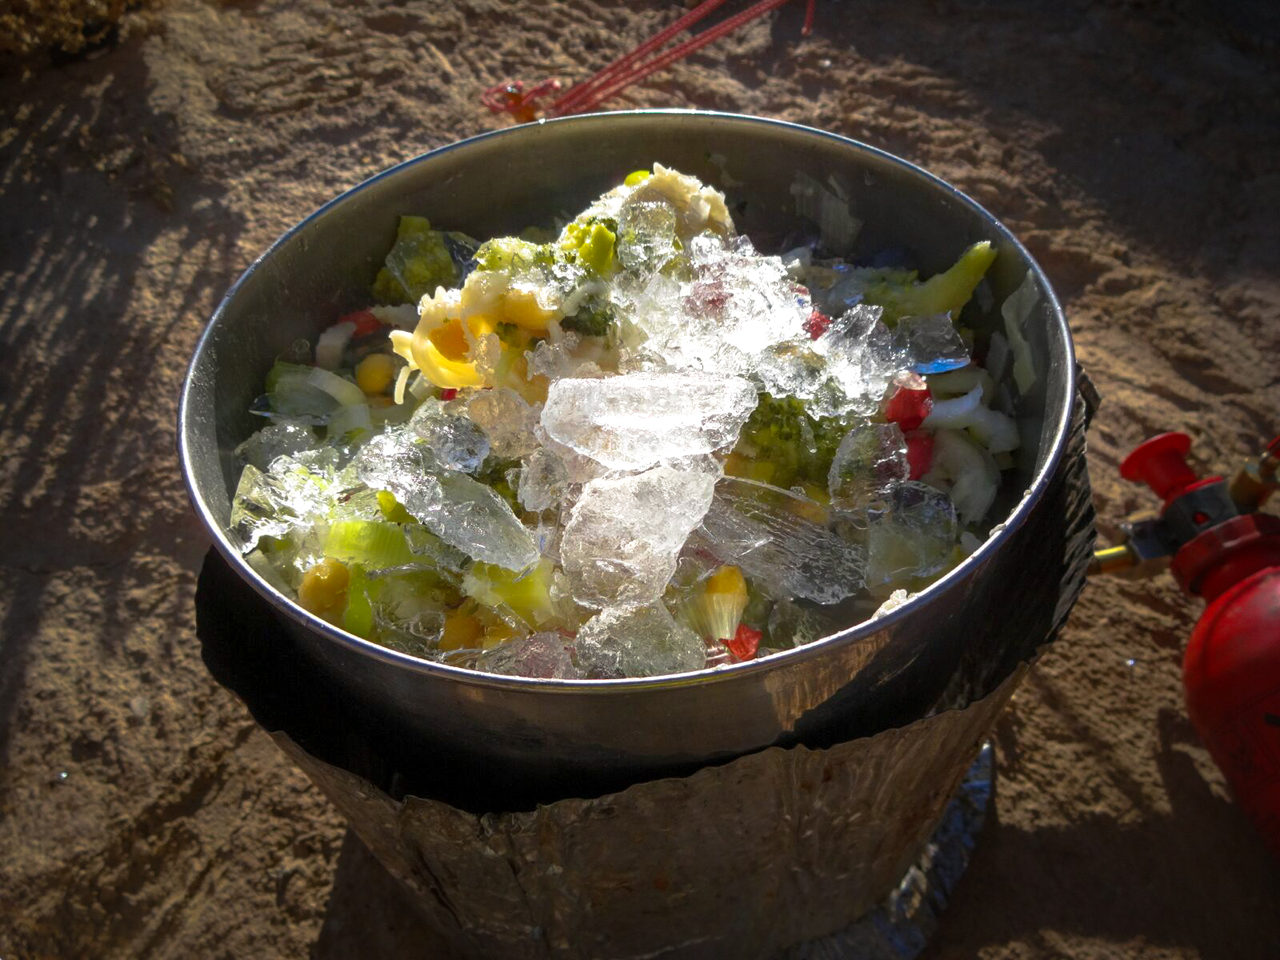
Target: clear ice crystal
(646,235)
(542,655)
(762,530)
(543,479)
(930,344)
(456,441)
(279,502)
(913,538)
(793,624)
(624,533)
(461,511)
(739,314)
(284,437)
(563,357)
(870,457)
(643,641)
(632,421)
(507,420)
(862,358)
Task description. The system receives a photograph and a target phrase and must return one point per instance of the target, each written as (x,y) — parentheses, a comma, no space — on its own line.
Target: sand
(1132,146)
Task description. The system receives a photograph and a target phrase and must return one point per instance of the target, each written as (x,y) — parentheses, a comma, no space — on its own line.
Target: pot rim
(708,675)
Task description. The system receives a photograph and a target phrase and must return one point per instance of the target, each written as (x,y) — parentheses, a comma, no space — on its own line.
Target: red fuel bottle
(1230,555)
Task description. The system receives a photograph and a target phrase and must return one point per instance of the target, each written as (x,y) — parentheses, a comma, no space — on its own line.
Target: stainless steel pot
(542,739)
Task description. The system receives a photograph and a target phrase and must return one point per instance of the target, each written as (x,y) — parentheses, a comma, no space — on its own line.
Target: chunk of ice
(793,624)
(646,235)
(543,479)
(644,641)
(456,441)
(870,457)
(544,655)
(460,511)
(914,537)
(507,420)
(276,502)
(930,344)
(284,437)
(763,530)
(624,533)
(635,420)
(739,314)
(862,357)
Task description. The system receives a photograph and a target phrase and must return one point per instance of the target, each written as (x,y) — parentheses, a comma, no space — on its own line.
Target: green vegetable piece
(295,390)
(514,255)
(282,368)
(946,292)
(419,262)
(375,544)
(596,251)
(782,436)
(635,177)
(391,508)
(594,317)
(357,618)
(528,595)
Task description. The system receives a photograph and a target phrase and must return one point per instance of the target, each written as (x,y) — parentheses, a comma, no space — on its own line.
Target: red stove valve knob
(1161,463)
(1231,672)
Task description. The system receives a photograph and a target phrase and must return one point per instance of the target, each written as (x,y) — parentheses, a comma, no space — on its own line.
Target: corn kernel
(727,579)
(375,372)
(323,590)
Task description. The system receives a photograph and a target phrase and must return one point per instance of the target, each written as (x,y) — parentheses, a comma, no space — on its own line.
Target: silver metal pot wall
(543,739)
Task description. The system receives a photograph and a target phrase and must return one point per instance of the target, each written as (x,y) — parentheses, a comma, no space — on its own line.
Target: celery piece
(340,388)
(392,509)
(357,618)
(375,544)
(528,595)
(946,292)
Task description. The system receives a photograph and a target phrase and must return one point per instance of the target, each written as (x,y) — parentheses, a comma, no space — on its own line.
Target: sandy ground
(1135,147)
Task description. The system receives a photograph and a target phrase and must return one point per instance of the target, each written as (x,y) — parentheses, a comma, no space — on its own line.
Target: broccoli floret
(591,242)
(514,254)
(783,445)
(594,317)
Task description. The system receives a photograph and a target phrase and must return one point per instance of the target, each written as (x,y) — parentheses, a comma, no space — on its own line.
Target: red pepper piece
(908,408)
(919,454)
(817,324)
(448,393)
(366,323)
(745,643)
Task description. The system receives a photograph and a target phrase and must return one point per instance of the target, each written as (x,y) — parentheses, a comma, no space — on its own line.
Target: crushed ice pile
(637,448)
